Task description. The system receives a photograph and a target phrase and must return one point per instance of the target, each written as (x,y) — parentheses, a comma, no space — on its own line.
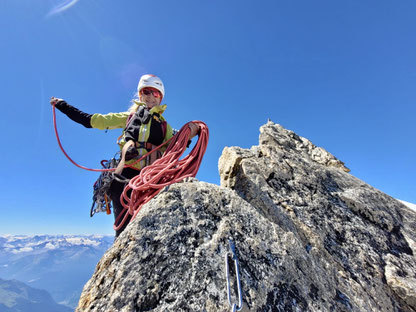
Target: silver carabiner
(234,306)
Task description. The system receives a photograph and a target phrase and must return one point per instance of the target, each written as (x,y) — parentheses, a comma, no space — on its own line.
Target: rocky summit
(308,236)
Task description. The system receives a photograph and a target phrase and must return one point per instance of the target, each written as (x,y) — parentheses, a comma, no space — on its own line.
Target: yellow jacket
(118,120)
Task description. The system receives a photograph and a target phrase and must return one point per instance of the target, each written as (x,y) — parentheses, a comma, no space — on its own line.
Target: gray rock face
(359,242)
(308,236)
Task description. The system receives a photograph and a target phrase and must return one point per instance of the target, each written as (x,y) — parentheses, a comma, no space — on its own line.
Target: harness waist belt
(146,145)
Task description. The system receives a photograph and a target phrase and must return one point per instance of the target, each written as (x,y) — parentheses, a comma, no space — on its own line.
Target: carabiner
(233,306)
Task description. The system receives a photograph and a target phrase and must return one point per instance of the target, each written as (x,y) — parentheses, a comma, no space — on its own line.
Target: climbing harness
(234,306)
(101,196)
(153,178)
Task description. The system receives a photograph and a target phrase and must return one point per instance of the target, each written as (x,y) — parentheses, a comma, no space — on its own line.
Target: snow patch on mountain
(410,205)
(50,246)
(23,249)
(82,241)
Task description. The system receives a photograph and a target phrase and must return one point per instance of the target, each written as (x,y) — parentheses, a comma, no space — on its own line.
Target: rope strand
(98,170)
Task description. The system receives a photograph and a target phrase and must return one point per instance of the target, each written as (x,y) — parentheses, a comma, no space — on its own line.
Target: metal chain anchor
(234,306)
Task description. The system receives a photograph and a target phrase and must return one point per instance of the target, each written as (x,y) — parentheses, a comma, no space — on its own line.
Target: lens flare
(62,7)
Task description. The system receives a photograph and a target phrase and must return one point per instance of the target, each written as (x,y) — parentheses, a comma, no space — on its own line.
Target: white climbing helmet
(151,81)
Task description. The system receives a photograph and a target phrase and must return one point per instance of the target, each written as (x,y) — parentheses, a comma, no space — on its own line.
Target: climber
(144,129)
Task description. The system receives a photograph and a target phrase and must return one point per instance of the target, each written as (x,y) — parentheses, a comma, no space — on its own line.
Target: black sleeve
(132,130)
(74,114)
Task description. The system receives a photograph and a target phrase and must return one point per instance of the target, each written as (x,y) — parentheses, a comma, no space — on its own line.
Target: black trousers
(116,189)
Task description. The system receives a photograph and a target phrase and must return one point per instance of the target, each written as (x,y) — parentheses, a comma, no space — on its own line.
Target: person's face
(151,97)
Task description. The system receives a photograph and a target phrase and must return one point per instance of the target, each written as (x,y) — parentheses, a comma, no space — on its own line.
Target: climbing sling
(101,190)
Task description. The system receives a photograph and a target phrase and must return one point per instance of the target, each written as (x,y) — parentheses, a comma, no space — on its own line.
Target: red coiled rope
(164,171)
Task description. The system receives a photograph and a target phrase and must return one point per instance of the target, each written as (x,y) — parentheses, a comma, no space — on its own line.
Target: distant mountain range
(16,296)
(59,264)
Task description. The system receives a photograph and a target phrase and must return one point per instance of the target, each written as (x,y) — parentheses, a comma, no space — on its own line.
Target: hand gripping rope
(164,171)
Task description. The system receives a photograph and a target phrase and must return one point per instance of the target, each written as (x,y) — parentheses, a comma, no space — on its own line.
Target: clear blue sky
(340,73)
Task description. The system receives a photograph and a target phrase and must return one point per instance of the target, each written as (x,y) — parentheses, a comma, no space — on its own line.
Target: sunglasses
(155,93)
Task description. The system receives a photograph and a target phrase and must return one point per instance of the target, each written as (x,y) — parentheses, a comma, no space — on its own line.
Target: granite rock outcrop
(309,236)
